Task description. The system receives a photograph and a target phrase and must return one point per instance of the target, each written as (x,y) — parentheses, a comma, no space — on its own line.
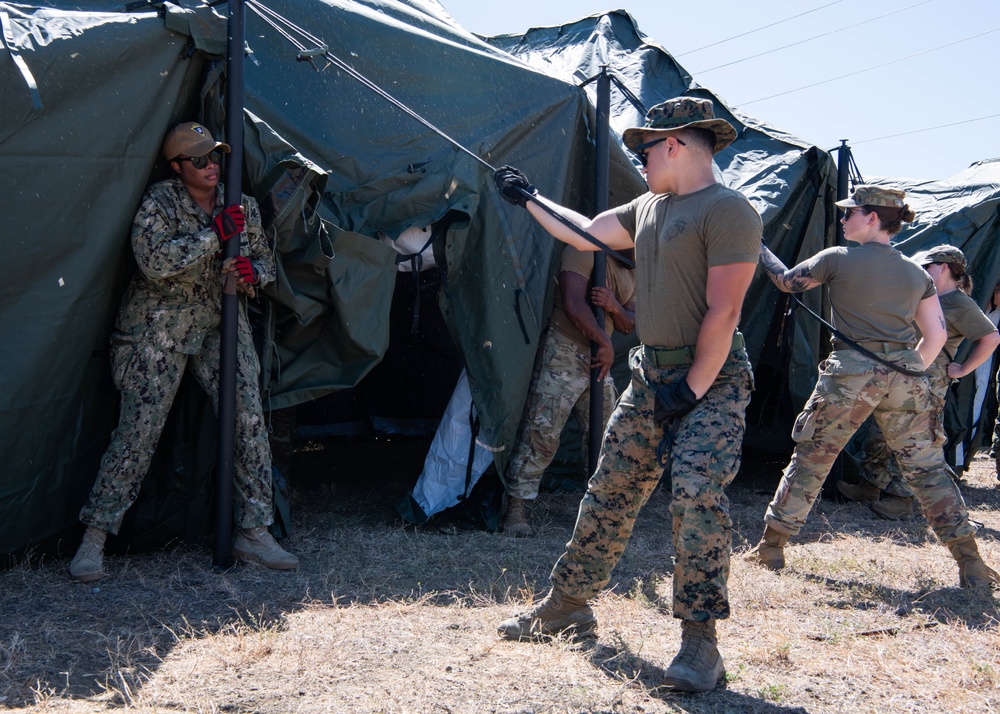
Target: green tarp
(87,91)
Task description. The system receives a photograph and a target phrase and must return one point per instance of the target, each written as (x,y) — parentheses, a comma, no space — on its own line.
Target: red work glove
(229,222)
(244,270)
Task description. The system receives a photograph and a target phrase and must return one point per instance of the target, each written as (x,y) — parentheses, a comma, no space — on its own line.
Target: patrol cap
(941,254)
(874,196)
(190,139)
(683,113)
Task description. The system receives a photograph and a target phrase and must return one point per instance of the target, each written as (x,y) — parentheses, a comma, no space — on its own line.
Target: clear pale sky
(930,88)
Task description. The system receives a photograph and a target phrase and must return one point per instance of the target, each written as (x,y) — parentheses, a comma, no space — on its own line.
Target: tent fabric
(334,167)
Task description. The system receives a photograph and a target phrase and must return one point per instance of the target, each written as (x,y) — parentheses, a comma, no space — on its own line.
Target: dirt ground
(386,617)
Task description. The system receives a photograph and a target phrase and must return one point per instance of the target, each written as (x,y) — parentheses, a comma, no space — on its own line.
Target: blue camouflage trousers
(706,456)
(559,389)
(148,377)
(850,388)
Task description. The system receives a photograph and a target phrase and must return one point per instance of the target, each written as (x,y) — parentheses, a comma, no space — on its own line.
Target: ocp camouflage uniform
(875,294)
(170,321)
(560,388)
(851,387)
(706,456)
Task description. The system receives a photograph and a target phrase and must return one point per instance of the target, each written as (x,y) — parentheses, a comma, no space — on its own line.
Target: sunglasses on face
(200,162)
(640,150)
(850,212)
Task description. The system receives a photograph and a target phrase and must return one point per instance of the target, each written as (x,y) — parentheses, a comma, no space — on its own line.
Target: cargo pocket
(805,423)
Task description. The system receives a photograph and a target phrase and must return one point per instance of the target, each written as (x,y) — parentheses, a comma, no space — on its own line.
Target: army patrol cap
(190,139)
(683,113)
(941,254)
(874,196)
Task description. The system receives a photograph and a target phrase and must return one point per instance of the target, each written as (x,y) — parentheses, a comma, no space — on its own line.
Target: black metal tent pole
(843,177)
(602,148)
(222,551)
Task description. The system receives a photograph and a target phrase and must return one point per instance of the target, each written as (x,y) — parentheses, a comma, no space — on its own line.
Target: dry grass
(385,618)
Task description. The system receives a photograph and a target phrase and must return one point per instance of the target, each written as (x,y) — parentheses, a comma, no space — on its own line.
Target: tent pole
(599,275)
(222,551)
(843,180)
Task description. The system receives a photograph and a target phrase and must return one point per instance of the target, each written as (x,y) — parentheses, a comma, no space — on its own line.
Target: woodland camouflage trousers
(148,377)
(705,459)
(850,388)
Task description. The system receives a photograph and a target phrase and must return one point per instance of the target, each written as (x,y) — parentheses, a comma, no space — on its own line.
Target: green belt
(662,357)
(875,346)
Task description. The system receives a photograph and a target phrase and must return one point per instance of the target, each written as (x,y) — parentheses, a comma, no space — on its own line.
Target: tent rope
(306,53)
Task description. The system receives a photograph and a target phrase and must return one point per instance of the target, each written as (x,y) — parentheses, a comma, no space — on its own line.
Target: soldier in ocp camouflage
(879,300)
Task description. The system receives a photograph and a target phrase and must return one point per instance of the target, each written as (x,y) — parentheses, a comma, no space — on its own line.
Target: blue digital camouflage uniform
(169,321)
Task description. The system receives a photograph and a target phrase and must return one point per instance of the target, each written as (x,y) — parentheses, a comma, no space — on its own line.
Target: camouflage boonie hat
(941,254)
(190,139)
(683,113)
(874,196)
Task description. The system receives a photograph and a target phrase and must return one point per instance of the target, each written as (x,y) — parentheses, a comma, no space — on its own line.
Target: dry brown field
(383,617)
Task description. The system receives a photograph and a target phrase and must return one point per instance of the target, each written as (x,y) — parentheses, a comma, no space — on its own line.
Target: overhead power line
(918,131)
(750,32)
(866,69)
(810,39)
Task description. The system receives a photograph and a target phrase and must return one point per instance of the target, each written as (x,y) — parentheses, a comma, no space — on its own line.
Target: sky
(911,84)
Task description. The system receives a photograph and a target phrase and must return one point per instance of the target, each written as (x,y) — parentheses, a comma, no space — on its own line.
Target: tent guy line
(276,21)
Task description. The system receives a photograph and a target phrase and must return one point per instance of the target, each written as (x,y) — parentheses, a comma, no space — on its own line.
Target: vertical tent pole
(222,552)
(599,275)
(843,177)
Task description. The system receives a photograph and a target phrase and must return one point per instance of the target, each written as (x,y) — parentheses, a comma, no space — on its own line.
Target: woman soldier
(876,295)
(964,320)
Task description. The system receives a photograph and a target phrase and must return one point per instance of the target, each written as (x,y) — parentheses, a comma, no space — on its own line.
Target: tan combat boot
(257,545)
(88,563)
(770,552)
(895,508)
(863,492)
(516,523)
(698,667)
(972,571)
(557,613)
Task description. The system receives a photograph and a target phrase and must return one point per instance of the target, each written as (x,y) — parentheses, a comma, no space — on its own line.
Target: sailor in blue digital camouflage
(169,323)
(696,244)
(880,300)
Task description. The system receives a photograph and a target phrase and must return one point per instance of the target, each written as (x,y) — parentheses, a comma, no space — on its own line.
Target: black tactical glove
(509,180)
(673,401)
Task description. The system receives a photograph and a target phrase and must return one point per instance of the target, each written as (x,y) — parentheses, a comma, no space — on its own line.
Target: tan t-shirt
(620,280)
(677,239)
(964,320)
(874,291)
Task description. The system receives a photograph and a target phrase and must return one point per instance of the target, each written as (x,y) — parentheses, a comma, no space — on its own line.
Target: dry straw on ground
(385,618)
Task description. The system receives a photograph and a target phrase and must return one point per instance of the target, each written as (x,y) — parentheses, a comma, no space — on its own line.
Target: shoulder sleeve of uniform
(577,261)
(974,324)
(733,230)
(626,215)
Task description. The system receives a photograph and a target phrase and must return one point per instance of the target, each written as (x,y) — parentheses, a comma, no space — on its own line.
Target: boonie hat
(683,113)
(190,139)
(941,254)
(874,196)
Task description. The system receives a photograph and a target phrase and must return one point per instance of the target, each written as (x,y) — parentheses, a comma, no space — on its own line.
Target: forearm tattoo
(796,280)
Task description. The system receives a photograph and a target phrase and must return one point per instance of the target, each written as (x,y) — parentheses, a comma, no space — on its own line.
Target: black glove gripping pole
(222,551)
(316,47)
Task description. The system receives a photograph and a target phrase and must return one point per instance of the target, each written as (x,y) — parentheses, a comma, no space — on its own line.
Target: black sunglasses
(640,150)
(200,162)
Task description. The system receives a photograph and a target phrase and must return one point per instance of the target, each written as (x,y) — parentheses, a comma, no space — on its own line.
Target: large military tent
(88,90)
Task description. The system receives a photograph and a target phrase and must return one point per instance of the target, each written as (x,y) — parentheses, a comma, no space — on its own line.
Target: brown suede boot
(88,563)
(972,571)
(698,667)
(863,492)
(894,508)
(557,613)
(770,551)
(257,545)
(516,523)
